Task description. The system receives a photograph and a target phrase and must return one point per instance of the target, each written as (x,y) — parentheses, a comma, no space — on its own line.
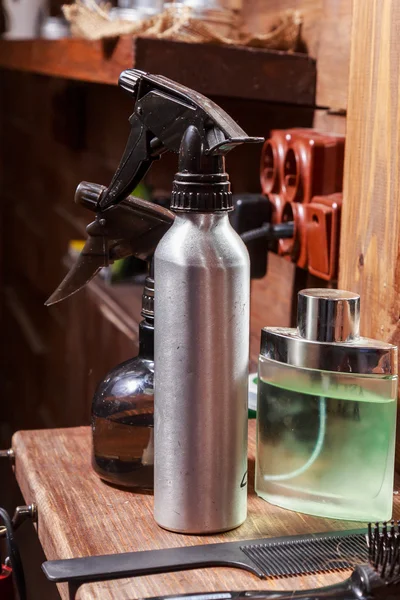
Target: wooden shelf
(237,72)
(80,515)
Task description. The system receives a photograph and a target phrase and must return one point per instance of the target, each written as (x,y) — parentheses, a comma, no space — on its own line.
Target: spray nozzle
(164,110)
(133,228)
(167,117)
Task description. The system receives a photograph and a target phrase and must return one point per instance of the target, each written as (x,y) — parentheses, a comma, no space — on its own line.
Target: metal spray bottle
(202,289)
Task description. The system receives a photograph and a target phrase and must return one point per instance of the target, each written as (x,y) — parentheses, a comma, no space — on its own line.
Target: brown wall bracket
(302,175)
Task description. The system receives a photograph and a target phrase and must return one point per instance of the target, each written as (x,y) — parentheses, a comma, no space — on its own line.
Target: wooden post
(370,237)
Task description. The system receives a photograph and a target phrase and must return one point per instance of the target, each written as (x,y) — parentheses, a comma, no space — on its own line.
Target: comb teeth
(299,557)
(384,550)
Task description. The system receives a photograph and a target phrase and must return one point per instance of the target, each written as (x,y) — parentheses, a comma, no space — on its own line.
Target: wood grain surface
(270,306)
(79,515)
(323,121)
(333,53)
(370,235)
(99,62)
(236,72)
(325,36)
(326,33)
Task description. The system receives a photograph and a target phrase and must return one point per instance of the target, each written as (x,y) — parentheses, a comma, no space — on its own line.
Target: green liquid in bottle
(325,442)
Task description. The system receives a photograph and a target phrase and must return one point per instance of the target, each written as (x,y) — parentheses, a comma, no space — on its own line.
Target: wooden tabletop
(79,515)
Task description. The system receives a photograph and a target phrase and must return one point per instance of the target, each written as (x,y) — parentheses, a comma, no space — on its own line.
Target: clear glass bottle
(123,412)
(326,414)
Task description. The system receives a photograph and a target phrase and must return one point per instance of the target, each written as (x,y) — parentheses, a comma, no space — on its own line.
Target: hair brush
(377,580)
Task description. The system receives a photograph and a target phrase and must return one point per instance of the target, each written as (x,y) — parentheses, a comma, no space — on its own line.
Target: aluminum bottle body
(202,290)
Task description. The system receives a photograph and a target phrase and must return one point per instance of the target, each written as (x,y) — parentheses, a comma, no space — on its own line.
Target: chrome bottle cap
(328,315)
(327,337)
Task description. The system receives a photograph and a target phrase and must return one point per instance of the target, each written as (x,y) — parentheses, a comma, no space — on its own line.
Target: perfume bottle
(123,412)
(326,413)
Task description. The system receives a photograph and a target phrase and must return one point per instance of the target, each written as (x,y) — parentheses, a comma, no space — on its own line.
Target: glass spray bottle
(123,412)
(327,404)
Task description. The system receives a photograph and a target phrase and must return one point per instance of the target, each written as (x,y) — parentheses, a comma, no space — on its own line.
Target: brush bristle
(384,550)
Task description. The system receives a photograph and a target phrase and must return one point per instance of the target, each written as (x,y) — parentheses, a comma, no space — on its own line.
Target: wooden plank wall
(370,247)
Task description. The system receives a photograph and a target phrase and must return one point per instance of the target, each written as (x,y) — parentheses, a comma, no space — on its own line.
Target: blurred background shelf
(236,72)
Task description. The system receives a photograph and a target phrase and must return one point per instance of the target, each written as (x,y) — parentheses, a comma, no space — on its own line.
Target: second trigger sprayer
(201,290)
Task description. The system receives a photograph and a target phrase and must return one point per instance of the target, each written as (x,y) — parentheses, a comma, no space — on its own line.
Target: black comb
(306,556)
(270,557)
(379,579)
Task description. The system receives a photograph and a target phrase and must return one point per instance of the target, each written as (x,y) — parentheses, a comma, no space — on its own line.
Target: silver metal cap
(325,315)
(327,337)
